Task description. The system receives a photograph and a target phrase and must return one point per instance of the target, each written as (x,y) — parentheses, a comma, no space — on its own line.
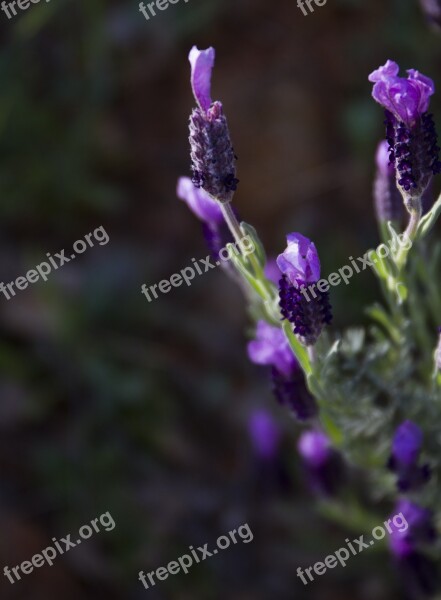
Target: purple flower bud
(324,466)
(212,154)
(264,433)
(406,448)
(271,348)
(388,200)
(419,531)
(300,261)
(410,130)
(199,202)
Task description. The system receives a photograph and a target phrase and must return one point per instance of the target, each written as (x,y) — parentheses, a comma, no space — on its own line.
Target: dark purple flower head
(410,130)
(264,433)
(300,261)
(271,348)
(406,448)
(407,99)
(388,200)
(199,202)
(419,531)
(212,154)
(323,465)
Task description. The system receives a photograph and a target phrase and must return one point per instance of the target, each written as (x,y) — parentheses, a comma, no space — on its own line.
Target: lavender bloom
(212,154)
(406,448)
(215,230)
(300,266)
(432,10)
(271,348)
(410,130)
(265,434)
(199,202)
(323,465)
(388,200)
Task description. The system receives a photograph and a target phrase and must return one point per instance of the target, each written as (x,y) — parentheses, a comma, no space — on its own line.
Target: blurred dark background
(111,403)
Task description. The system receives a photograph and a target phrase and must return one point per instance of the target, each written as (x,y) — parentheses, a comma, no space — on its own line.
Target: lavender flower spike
(387,198)
(410,129)
(212,154)
(300,266)
(271,348)
(406,448)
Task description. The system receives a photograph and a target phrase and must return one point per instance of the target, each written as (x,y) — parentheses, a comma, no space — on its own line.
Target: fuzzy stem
(231,221)
(409,234)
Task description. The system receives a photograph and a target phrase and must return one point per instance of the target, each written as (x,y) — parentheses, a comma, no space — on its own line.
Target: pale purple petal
(202,62)
(272,271)
(300,261)
(426,86)
(390,69)
(407,99)
(271,348)
(198,201)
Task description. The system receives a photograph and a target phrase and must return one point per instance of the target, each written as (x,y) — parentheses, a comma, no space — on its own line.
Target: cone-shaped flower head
(212,154)
(300,266)
(410,130)
(264,433)
(270,347)
(406,449)
(387,198)
(323,465)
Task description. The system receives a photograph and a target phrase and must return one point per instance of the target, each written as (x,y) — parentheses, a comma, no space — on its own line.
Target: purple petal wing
(202,62)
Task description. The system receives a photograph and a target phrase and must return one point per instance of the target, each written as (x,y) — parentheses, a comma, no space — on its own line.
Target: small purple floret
(199,202)
(271,348)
